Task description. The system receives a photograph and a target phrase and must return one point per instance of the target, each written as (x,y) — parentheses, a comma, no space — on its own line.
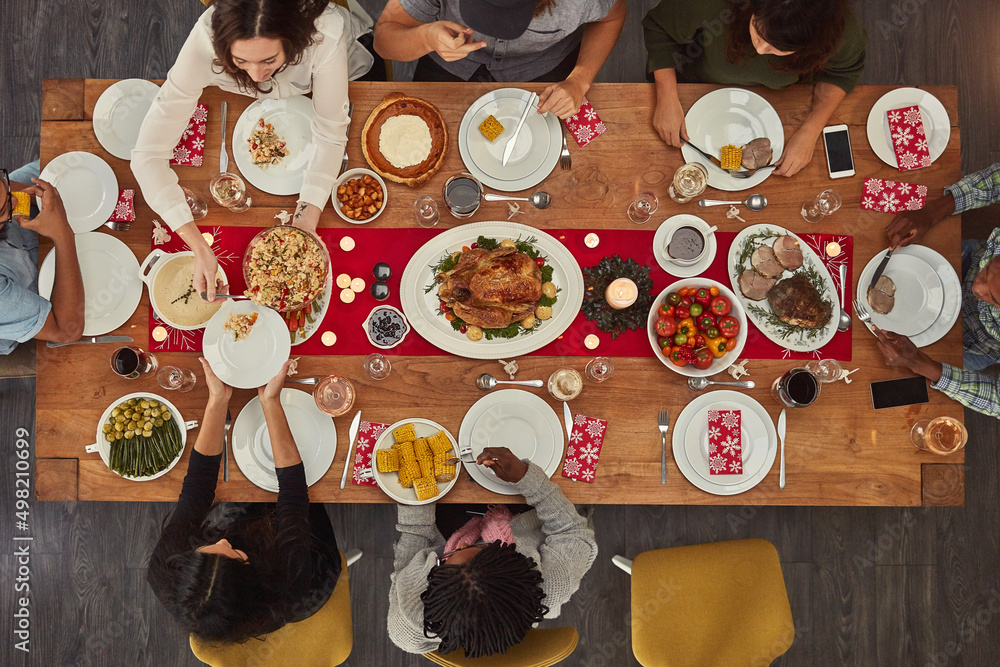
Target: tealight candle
(358,285)
(159,334)
(328,338)
(347,295)
(347,244)
(832,249)
(209,239)
(343,280)
(591,240)
(621,293)
(591,341)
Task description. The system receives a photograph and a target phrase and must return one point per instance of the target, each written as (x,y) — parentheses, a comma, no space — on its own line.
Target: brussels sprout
(144,404)
(129,434)
(147,434)
(154,413)
(158,423)
(167,415)
(154,404)
(107,428)
(119,427)
(109,437)
(115,412)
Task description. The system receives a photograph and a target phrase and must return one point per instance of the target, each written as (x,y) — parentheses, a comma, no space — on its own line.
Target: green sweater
(692,38)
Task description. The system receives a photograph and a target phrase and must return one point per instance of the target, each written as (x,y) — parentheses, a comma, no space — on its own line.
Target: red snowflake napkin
(891,196)
(125,208)
(584,448)
(190,150)
(585,125)
(909,140)
(725,443)
(368,433)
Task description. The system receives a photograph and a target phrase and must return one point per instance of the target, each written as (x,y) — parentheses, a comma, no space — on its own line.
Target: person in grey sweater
(484,598)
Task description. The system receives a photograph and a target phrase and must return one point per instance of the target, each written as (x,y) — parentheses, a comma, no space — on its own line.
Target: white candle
(591,240)
(591,341)
(621,293)
(832,249)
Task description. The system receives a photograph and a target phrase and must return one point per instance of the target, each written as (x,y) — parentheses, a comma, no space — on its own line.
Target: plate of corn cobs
(410,461)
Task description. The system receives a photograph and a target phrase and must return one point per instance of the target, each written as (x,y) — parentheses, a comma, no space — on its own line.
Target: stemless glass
(643,208)
(230,191)
(825,370)
(463,194)
(826,203)
(942,435)
(176,379)
(798,388)
(197,204)
(599,369)
(334,395)
(377,366)
(425,210)
(690,180)
(565,384)
(132,362)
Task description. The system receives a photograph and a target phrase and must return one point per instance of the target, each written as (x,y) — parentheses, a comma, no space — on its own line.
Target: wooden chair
(540,648)
(709,605)
(324,639)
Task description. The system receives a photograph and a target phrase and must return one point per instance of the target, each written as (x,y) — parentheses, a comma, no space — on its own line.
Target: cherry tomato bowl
(678,331)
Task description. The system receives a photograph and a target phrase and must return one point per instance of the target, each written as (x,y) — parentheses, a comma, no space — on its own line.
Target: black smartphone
(894,393)
(839,160)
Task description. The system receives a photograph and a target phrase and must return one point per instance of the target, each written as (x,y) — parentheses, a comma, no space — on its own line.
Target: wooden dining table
(840,451)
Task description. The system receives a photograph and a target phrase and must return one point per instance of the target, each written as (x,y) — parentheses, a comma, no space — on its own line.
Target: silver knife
(351,434)
(92,339)
(568,416)
(781,436)
(880,269)
(509,149)
(224,158)
(343,162)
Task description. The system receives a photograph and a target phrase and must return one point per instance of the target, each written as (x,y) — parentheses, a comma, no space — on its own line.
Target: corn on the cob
(439,443)
(731,157)
(404,433)
(22,204)
(421,448)
(426,464)
(425,487)
(387,460)
(408,471)
(442,471)
(491,128)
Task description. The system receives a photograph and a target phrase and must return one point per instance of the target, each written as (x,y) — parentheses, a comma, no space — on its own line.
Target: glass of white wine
(943,435)
(826,203)
(230,191)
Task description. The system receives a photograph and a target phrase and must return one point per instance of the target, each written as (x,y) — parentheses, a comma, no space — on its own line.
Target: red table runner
(396,246)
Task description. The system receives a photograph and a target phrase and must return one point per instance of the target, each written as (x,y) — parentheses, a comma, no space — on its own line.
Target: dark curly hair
(486,605)
(289,21)
(809,29)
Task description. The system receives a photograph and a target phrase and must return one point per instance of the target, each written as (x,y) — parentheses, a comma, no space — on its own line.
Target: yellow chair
(541,647)
(722,604)
(324,639)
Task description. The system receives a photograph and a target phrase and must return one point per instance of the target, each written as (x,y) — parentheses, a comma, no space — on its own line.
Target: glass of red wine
(132,362)
(798,388)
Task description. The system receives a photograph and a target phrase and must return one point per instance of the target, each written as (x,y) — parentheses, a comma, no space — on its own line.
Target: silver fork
(565,159)
(116,226)
(310,381)
(663,423)
(225,447)
(863,315)
(343,162)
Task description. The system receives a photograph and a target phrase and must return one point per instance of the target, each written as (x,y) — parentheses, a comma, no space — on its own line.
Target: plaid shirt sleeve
(973,390)
(977,190)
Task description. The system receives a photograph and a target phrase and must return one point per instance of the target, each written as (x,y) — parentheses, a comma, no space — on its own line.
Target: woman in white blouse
(264,49)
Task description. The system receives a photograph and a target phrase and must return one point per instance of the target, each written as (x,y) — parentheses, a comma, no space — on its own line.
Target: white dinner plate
(104,447)
(937,126)
(731,116)
(315,436)
(119,113)
(389,481)
(292,121)
(88,187)
(919,292)
(799,341)
(660,246)
(111,284)
(251,362)
(521,421)
(690,442)
(536,150)
(421,308)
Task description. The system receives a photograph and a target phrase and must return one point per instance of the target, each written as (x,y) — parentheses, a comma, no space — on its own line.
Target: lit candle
(591,240)
(832,249)
(591,341)
(159,334)
(621,293)
(209,239)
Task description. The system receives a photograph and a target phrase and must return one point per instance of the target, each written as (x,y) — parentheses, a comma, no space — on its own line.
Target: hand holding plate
(272,390)
(217,389)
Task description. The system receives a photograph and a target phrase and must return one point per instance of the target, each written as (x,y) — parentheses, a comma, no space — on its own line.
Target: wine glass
(131,362)
(690,180)
(176,379)
(197,204)
(462,194)
(943,435)
(825,370)
(643,208)
(425,210)
(565,384)
(334,395)
(377,366)
(599,369)
(826,203)
(230,191)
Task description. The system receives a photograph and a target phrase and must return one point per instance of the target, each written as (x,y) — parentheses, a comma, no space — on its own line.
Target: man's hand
(563,99)
(798,153)
(272,390)
(900,352)
(452,41)
(217,389)
(51,222)
(503,463)
(668,121)
(910,226)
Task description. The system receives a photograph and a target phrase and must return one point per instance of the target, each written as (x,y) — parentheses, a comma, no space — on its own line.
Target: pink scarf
(495,525)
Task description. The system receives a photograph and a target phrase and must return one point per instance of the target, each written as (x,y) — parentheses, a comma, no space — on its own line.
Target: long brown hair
(543,6)
(810,29)
(289,21)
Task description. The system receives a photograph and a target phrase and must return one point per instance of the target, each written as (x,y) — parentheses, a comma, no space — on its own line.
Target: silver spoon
(845,319)
(487,382)
(204,296)
(538,200)
(753,202)
(700,383)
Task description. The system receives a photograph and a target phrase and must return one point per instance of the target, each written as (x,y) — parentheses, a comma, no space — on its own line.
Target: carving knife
(351,434)
(509,149)
(880,269)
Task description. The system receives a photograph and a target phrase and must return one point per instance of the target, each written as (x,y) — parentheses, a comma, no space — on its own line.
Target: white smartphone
(839,159)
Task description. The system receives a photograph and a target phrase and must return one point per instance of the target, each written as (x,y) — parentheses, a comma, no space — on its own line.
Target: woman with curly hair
(265,49)
(243,570)
(773,43)
(496,576)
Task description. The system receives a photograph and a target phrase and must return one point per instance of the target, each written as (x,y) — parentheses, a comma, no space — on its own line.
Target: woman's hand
(564,98)
(217,389)
(272,390)
(798,152)
(450,40)
(206,266)
(503,463)
(668,120)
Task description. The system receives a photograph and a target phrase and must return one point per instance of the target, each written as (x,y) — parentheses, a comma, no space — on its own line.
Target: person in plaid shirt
(980,297)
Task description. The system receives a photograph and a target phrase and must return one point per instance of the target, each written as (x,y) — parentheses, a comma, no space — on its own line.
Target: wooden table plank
(56,479)
(840,453)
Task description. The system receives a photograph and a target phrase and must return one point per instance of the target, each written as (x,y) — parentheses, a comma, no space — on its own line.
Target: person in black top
(238,571)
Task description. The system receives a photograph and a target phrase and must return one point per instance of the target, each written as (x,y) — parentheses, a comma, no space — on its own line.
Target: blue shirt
(22,311)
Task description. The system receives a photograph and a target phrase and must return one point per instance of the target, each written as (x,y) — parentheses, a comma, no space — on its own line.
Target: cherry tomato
(666,326)
(730,344)
(696,309)
(474,245)
(465,248)
(678,355)
(664,343)
(713,290)
(463,329)
(450,317)
(687,300)
(683,291)
(673,298)
(540,261)
(681,312)
(680,339)
(729,326)
(705,322)
(703,358)
(712,332)
(721,305)
(699,340)
(444,307)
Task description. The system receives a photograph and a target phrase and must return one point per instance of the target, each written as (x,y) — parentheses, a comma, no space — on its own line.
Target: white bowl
(358,173)
(104,447)
(406,326)
(389,481)
(150,269)
(718,365)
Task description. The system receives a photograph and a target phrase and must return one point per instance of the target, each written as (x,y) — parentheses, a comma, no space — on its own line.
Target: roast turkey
(492,288)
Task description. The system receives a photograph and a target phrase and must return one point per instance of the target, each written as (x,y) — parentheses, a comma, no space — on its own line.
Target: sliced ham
(765,263)
(787,252)
(753,285)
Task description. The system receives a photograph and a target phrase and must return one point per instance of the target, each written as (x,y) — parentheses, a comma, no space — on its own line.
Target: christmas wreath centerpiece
(595,306)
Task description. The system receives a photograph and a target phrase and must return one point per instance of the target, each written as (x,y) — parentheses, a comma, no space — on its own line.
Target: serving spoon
(845,319)
(753,202)
(538,200)
(487,382)
(700,383)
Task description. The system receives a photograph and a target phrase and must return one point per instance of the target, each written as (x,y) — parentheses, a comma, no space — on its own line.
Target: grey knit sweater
(553,534)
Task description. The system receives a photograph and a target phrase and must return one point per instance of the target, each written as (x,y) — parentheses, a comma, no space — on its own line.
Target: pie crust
(397,104)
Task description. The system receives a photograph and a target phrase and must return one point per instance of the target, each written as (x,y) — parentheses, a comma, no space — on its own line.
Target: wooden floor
(887,587)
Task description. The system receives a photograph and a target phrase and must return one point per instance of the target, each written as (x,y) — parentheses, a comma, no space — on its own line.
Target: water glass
(425,210)
(825,370)
(826,203)
(690,180)
(230,191)
(132,362)
(377,366)
(599,369)
(943,435)
(643,208)
(197,204)
(176,379)
(798,388)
